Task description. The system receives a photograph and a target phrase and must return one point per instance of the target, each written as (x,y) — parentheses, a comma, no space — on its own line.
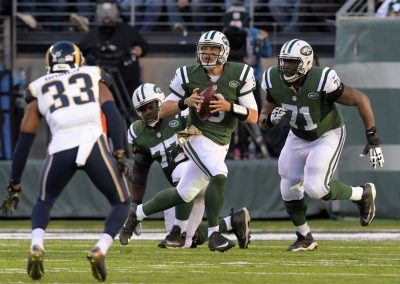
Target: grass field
(264,262)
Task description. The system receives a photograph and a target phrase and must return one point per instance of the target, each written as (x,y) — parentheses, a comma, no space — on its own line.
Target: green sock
(297,211)
(182,211)
(338,191)
(163,200)
(202,232)
(214,199)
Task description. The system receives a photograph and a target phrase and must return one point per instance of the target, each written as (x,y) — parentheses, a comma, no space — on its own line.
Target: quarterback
(206,141)
(307,97)
(71,98)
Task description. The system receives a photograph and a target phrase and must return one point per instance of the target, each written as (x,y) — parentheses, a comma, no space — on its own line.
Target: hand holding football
(203,112)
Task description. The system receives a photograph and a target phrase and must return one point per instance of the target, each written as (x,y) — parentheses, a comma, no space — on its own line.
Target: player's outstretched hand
(123,163)
(11,199)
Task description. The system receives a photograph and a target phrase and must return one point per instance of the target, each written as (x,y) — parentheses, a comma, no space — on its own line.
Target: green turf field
(264,262)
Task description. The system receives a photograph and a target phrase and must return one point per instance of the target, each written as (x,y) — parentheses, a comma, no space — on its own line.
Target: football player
(207,141)
(155,139)
(71,98)
(307,96)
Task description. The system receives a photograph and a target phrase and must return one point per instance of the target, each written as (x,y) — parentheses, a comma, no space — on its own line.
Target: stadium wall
(251,183)
(367,57)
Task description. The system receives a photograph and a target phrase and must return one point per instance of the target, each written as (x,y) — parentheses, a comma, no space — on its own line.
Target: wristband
(182,104)
(239,111)
(269,121)
(372,136)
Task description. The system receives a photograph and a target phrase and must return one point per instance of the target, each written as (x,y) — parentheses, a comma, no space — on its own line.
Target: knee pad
(315,190)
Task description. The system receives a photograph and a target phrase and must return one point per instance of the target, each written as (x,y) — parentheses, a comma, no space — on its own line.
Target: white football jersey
(70,103)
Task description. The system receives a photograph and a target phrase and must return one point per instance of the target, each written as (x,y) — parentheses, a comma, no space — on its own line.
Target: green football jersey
(311,110)
(158,143)
(220,126)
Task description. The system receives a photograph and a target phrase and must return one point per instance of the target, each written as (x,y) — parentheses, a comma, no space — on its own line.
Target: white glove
(373,148)
(375,155)
(277,114)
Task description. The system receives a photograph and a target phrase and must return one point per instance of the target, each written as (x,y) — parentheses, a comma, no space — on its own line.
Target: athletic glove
(272,119)
(11,199)
(123,164)
(373,148)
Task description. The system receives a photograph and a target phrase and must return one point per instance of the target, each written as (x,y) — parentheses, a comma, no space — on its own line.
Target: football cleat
(174,239)
(35,263)
(130,226)
(303,243)
(97,263)
(367,204)
(240,221)
(218,242)
(197,240)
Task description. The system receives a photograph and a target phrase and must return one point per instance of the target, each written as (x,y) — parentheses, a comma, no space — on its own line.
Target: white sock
(228,222)
(169,218)
(356,193)
(38,238)
(212,230)
(303,229)
(139,212)
(104,243)
(182,224)
(195,218)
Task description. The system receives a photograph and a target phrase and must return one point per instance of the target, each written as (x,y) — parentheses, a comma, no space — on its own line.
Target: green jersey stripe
(244,73)
(183,76)
(195,158)
(131,132)
(322,79)
(325,79)
(176,93)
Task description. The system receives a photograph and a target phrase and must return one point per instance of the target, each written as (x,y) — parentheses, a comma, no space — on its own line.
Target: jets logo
(157,90)
(234,84)
(173,123)
(313,96)
(306,50)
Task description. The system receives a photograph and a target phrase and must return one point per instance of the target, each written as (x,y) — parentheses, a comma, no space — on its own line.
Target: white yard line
(341,236)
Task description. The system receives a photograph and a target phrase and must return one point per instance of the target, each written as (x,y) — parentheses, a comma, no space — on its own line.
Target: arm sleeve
(21,152)
(114,124)
(333,87)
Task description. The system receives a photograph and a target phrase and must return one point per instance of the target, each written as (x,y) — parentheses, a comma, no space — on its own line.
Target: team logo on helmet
(306,50)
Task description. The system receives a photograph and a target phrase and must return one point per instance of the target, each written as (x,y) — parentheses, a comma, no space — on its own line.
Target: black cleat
(196,240)
(303,243)
(35,263)
(367,204)
(174,239)
(219,242)
(97,262)
(131,226)
(240,226)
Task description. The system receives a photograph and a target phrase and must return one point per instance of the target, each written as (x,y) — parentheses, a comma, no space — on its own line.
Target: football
(209,95)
